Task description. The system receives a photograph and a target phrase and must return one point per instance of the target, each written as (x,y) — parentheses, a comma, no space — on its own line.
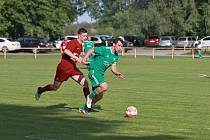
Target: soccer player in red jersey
(67,66)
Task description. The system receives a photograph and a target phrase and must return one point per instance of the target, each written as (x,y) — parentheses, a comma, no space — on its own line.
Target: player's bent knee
(104,88)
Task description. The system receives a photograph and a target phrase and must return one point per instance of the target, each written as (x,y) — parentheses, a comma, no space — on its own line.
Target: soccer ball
(131,112)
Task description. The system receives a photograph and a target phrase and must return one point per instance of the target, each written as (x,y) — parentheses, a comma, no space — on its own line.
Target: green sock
(93,94)
(84,107)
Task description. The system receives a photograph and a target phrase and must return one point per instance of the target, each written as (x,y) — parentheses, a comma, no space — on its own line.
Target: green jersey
(103,59)
(87,45)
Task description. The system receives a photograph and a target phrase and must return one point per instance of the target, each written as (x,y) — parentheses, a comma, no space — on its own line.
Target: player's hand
(85,61)
(119,75)
(80,60)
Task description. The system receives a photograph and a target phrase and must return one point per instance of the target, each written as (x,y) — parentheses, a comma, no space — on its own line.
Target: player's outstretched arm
(69,53)
(85,59)
(115,72)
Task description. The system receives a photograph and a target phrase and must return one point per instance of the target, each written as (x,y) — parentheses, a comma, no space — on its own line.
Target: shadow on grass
(50,123)
(61,106)
(65,106)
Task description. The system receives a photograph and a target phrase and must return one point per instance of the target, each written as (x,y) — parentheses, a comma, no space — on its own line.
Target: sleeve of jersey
(70,46)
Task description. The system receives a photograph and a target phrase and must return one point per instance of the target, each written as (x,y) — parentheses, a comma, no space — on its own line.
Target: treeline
(114,17)
(35,17)
(160,17)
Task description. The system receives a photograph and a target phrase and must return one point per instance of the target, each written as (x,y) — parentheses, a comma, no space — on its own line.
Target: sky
(85,18)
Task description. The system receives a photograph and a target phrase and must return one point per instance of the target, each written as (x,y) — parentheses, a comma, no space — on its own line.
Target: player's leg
(84,109)
(96,93)
(97,81)
(80,79)
(50,87)
(59,78)
(95,100)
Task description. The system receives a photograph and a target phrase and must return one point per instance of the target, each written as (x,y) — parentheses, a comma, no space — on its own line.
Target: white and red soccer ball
(131,112)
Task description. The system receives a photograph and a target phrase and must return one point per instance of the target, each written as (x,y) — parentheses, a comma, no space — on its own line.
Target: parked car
(136,40)
(32,42)
(167,41)
(110,40)
(8,45)
(205,42)
(185,41)
(57,43)
(152,41)
(101,40)
(126,44)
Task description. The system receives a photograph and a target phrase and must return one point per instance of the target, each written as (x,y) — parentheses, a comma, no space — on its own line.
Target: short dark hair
(118,39)
(81,30)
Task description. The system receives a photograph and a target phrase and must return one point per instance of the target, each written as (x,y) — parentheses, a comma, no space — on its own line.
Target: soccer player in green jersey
(87,45)
(103,58)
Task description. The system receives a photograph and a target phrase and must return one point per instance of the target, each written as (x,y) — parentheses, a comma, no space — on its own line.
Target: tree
(207,19)
(203,19)
(166,17)
(94,8)
(118,17)
(39,18)
(111,16)
(4,23)
(162,17)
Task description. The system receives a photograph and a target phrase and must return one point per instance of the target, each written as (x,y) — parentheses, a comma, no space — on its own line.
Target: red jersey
(63,46)
(67,62)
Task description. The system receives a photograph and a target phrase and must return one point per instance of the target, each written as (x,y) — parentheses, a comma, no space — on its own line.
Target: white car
(185,41)
(100,39)
(7,45)
(167,41)
(70,37)
(205,42)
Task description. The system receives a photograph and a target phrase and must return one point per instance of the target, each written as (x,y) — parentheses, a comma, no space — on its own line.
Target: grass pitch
(172,99)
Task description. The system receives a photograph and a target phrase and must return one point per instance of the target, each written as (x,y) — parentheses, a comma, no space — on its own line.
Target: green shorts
(96,78)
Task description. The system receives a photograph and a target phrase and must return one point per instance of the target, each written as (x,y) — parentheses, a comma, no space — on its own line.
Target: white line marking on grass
(203,75)
(38,137)
(185,129)
(138,78)
(122,89)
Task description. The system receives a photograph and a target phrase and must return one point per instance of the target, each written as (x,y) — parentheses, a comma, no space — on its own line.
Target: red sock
(47,88)
(86,92)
